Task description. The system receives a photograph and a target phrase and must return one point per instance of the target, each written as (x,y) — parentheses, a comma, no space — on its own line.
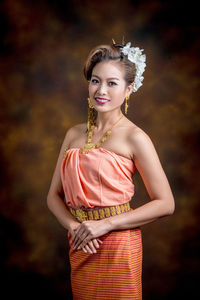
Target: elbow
(166,207)
(49,201)
(171,208)
(52,198)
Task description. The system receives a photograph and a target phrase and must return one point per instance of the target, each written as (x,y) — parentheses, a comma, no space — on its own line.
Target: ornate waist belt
(98,212)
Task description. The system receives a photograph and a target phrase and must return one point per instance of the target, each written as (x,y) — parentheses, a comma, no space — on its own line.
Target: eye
(113,83)
(94,80)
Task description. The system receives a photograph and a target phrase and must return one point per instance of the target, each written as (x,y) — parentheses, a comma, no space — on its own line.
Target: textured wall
(43,93)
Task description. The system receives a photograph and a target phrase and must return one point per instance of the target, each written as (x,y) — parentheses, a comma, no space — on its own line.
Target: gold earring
(126,104)
(90,119)
(90,103)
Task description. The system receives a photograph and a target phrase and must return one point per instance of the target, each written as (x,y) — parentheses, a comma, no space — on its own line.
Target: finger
(83,240)
(79,237)
(77,232)
(95,243)
(86,245)
(76,236)
(88,249)
(92,247)
(84,250)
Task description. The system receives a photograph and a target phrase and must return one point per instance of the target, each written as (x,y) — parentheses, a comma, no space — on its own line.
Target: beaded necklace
(89,145)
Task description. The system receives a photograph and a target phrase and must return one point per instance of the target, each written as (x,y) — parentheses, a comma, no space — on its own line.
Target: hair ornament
(134,54)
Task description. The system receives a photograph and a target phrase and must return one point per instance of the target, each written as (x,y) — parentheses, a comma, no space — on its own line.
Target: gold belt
(98,213)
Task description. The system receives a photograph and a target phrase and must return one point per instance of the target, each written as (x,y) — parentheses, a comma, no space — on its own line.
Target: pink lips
(99,102)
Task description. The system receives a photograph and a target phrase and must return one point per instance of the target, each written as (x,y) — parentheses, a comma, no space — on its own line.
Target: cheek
(118,93)
(91,89)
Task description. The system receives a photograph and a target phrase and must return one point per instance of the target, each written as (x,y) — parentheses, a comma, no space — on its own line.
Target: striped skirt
(114,272)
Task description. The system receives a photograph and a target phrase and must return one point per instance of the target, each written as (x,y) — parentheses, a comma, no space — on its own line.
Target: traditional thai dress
(102,178)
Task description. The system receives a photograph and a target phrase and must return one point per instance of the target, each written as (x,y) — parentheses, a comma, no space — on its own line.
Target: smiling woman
(94,174)
(114,88)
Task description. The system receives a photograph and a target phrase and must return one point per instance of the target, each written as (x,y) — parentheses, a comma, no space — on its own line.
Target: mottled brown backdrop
(43,93)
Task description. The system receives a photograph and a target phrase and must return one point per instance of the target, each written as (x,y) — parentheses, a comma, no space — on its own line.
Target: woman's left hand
(89,230)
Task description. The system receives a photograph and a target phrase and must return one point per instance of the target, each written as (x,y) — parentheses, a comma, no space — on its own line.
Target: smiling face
(107,82)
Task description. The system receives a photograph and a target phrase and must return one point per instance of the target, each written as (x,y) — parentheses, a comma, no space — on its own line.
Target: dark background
(43,93)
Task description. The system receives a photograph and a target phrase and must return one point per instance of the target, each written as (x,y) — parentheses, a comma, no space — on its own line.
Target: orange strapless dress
(103,178)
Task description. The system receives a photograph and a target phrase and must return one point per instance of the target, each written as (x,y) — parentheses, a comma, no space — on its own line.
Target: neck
(105,120)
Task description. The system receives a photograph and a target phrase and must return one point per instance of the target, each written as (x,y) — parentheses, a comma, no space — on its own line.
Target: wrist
(114,222)
(72,225)
(108,224)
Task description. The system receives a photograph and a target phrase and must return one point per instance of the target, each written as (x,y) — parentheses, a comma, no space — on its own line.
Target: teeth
(101,100)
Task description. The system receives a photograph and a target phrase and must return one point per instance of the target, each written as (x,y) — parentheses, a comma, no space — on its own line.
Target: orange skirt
(114,272)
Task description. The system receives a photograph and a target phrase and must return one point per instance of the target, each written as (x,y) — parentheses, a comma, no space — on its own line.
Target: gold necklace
(89,145)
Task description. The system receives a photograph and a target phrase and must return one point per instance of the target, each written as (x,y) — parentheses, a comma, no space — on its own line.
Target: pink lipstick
(101,100)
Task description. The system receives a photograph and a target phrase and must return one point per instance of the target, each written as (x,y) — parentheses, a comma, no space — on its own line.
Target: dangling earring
(90,103)
(90,114)
(126,104)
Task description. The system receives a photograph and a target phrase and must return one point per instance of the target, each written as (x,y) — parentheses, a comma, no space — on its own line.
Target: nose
(102,89)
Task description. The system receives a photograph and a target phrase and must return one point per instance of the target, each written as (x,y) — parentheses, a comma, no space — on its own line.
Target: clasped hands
(86,234)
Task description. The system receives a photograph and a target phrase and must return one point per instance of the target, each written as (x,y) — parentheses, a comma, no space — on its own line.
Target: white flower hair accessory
(135,55)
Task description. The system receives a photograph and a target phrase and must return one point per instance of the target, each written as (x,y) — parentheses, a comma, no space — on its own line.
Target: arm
(157,185)
(55,195)
(56,204)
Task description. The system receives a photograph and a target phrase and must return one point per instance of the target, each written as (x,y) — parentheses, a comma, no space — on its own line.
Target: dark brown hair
(109,52)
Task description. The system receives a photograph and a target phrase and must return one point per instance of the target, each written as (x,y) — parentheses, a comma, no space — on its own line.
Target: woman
(94,174)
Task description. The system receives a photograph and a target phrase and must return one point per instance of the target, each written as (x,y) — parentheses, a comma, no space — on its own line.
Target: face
(107,82)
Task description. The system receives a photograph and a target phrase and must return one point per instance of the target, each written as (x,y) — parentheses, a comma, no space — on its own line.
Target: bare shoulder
(136,134)
(80,127)
(76,129)
(74,133)
(139,141)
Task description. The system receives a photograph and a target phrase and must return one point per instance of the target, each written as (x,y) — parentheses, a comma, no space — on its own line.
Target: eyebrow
(107,78)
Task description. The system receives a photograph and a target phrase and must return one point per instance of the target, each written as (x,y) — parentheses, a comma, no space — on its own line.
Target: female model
(94,174)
